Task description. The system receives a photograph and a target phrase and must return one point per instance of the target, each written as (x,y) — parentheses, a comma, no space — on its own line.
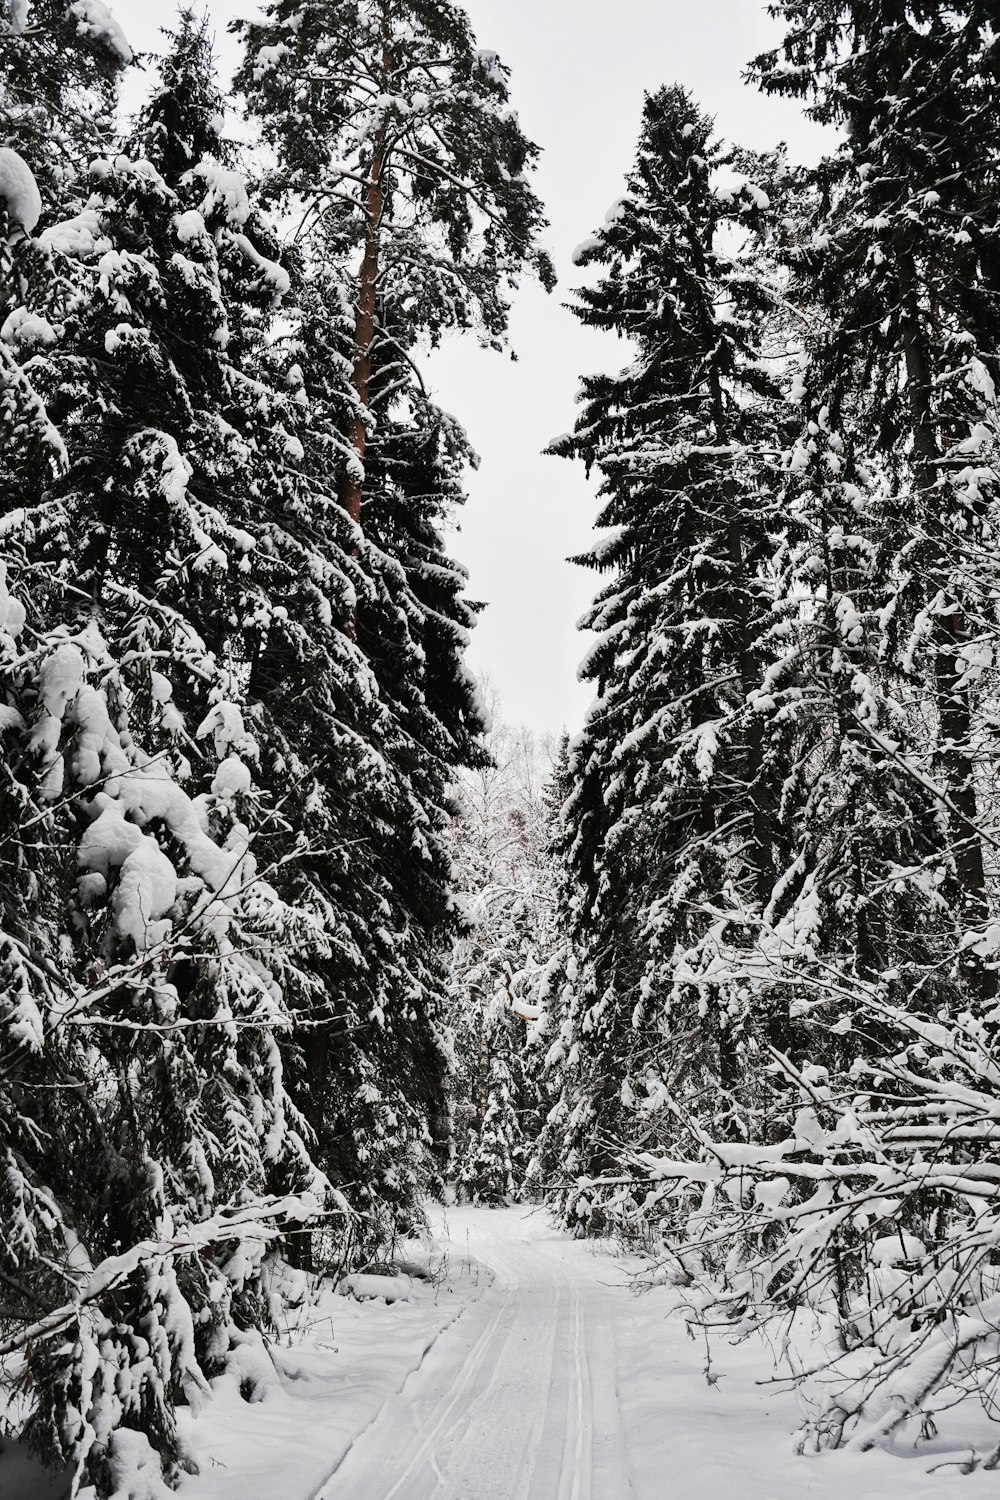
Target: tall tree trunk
(954,703)
(315,1044)
(365,322)
(762,815)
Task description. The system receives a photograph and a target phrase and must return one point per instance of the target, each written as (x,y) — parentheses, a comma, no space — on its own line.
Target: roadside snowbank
(712,1418)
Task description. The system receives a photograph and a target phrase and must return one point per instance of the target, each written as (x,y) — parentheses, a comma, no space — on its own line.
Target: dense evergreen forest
(295,932)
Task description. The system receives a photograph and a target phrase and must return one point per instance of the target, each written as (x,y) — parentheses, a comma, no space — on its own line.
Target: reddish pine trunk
(364,325)
(316,1043)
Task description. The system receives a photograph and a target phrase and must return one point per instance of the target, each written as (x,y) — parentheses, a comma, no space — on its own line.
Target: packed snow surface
(561,1383)
(528,1369)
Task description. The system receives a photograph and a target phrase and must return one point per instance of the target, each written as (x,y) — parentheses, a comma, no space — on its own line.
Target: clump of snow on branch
(96,23)
(19,190)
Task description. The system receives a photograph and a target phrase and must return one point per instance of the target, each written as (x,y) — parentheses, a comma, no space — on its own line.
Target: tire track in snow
(465,1373)
(367,1470)
(574,1481)
(500,1433)
(469,1370)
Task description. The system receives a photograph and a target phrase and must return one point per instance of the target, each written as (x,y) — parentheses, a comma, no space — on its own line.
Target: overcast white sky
(579,71)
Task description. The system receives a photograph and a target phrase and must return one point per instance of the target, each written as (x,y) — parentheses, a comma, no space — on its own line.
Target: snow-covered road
(526,1369)
(518,1401)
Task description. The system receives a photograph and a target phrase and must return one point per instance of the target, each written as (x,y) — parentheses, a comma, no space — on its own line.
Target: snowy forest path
(516,1401)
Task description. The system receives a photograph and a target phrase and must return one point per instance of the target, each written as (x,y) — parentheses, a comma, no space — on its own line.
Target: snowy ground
(534,1373)
(524,1369)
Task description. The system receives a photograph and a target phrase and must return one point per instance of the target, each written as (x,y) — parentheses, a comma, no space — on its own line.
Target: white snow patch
(189,227)
(728,185)
(81,237)
(146,890)
(558,1381)
(384,1288)
(232,778)
(337,1363)
(225,724)
(226,190)
(28,330)
(617,210)
(19,190)
(95,22)
(489,63)
(274,275)
(586,247)
(267,59)
(980,379)
(12,611)
(896,1249)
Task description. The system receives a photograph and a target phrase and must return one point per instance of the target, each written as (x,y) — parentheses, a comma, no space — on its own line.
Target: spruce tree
(503,877)
(866,895)
(153,1152)
(669,828)
(492,1170)
(904,248)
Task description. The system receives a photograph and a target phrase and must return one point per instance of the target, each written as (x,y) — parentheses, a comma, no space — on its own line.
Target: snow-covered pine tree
(59,64)
(669,827)
(556,995)
(493,1166)
(905,248)
(395,134)
(865,894)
